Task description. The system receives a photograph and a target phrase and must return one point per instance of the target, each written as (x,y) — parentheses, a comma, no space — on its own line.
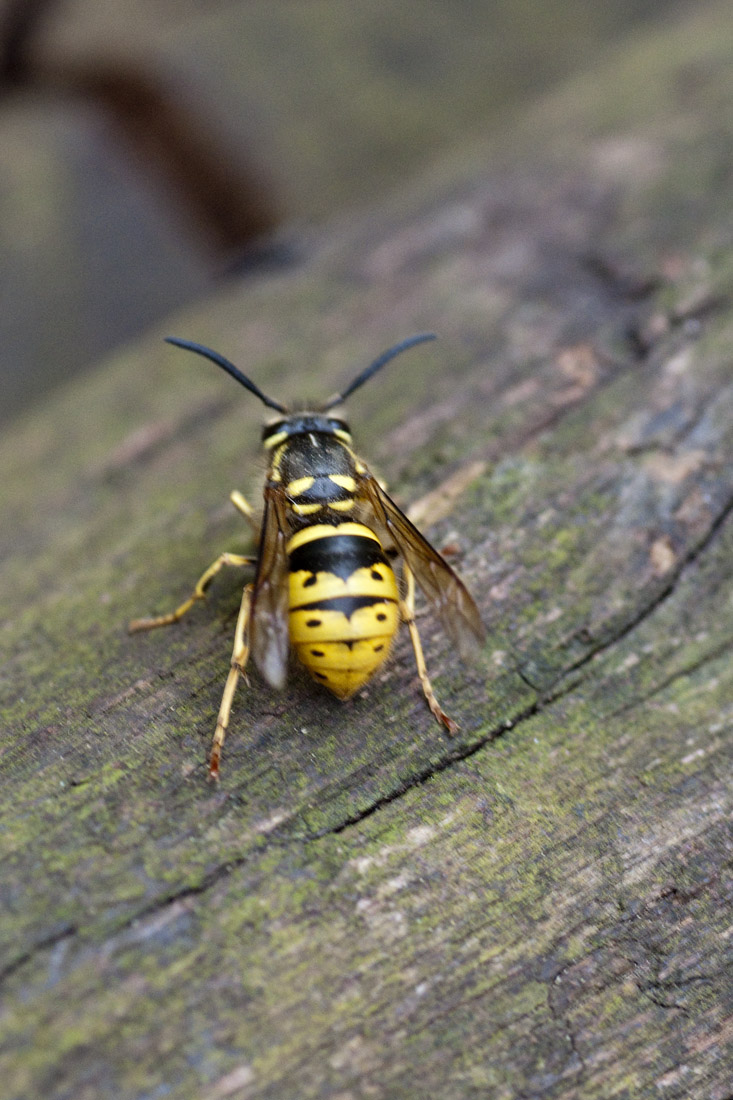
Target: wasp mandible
(324,583)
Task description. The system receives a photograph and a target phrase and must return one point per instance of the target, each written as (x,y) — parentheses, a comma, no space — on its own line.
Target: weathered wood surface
(539,908)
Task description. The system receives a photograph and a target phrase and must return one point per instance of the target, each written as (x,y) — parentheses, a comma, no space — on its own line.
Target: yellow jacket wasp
(323,580)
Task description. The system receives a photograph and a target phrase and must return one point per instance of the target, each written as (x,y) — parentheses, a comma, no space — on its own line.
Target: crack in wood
(424,775)
(665,591)
(565,1022)
(679,674)
(45,944)
(622,282)
(661,1003)
(645,338)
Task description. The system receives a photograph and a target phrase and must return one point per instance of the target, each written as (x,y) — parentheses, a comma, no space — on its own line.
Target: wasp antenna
(390,353)
(235,372)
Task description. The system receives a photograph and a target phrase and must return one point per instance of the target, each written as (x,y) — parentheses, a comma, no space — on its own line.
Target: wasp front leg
(245,509)
(199,593)
(407,609)
(240,653)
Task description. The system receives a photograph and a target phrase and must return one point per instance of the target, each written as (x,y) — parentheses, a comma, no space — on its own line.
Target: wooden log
(539,907)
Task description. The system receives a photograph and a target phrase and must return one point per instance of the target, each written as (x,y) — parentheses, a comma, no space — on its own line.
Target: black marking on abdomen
(341,555)
(346,604)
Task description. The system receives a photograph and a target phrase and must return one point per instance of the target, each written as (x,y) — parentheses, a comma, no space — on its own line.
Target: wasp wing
(269,622)
(444,590)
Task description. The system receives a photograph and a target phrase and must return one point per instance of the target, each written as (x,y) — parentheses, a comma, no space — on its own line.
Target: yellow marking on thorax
(341,505)
(306,509)
(300,485)
(274,471)
(275,440)
(344,481)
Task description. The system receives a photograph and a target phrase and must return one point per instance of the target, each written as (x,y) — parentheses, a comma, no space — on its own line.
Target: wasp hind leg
(407,608)
(240,653)
(199,593)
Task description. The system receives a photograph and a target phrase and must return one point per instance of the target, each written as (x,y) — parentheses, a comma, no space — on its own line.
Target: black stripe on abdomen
(347,605)
(341,555)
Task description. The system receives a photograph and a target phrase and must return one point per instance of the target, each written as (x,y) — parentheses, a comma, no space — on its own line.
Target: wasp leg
(407,608)
(199,593)
(240,653)
(244,508)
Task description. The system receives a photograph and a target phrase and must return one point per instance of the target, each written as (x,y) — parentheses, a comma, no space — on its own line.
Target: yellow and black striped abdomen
(344,607)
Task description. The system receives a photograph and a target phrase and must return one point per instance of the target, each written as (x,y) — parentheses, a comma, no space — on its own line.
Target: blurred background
(151,149)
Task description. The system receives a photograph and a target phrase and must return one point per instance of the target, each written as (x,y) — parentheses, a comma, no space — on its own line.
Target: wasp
(324,583)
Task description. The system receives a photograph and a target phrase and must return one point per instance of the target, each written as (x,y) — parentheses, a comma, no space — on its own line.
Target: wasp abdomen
(344,608)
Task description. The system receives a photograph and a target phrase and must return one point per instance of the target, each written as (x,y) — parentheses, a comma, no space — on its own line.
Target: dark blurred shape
(225,201)
(21,20)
